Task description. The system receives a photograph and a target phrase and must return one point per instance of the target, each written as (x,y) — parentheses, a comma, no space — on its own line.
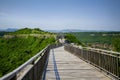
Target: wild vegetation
(72,39)
(15,51)
(2,33)
(29,31)
(116,44)
(100,39)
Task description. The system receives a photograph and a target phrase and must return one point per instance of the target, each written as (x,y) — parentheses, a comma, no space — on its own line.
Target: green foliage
(94,37)
(15,51)
(116,44)
(72,39)
(28,31)
(110,38)
(2,33)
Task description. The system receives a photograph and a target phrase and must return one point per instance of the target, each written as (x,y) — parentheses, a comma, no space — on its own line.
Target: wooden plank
(65,66)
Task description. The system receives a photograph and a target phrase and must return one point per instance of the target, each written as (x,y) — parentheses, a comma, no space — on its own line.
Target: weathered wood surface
(64,66)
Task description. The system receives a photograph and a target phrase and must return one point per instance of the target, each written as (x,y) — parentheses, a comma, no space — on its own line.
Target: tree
(116,44)
(72,39)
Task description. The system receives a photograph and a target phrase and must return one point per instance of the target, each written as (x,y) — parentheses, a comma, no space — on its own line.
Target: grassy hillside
(72,39)
(116,44)
(2,33)
(15,51)
(25,32)
(92,37)
(99,38)
(29,31)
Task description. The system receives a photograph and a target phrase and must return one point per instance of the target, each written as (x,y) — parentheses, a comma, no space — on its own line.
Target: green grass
(15,51)
(94,37)
(110,38)
(29,31)
(2,33)
(72,39)
(116,44)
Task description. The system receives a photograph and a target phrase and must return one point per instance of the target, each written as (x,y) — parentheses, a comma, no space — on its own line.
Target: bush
(15,51)
(72,39)
(116,44)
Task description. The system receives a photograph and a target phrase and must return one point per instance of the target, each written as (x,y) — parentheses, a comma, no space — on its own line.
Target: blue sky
(60,14)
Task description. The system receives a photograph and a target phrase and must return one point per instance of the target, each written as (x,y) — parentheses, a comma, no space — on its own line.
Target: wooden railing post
(105,60)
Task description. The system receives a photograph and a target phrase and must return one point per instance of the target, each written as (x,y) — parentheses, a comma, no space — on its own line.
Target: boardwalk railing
(106,61)
(33,69)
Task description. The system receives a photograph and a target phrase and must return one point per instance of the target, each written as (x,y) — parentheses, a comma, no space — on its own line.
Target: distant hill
(29,31)
(8,30)
(72,30)
(78,30)
(26,32)
(19,46)
(54,31)
(11,29)
(103,40)
(2,33)
(65,30)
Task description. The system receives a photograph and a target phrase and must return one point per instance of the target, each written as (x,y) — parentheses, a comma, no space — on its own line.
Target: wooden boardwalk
(63,65)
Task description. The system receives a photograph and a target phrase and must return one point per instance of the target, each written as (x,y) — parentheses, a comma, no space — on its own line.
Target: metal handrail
(17,70)
(38,63)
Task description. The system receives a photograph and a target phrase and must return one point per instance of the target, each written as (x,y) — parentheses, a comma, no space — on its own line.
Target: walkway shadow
(55,67)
